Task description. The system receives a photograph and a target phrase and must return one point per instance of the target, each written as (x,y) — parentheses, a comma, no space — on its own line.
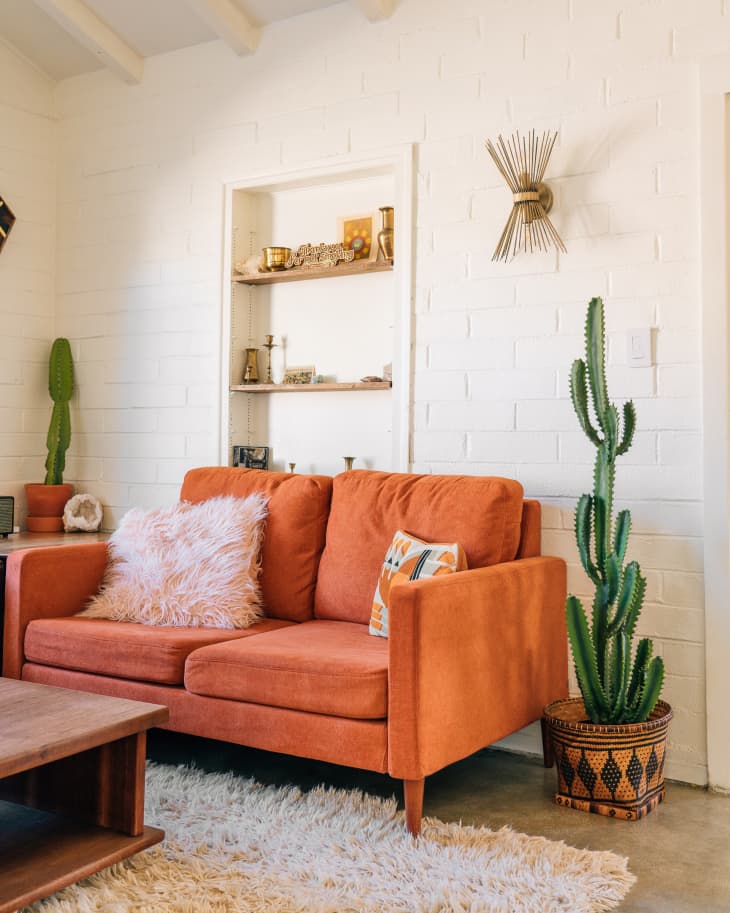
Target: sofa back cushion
(482,514)
(294,533)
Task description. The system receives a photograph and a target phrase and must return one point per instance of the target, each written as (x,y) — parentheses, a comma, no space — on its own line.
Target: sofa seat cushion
(125,649)
(330,667)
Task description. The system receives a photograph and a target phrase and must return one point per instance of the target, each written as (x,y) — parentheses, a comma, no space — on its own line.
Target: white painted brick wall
(27,305)
(138,280)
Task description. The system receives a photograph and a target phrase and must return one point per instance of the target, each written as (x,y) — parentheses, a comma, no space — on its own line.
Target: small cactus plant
(614,689)
(61,388)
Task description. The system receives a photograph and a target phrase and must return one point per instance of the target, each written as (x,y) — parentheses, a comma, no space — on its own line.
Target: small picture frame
(359,233)
(302,374)
(7,220)
(247,457)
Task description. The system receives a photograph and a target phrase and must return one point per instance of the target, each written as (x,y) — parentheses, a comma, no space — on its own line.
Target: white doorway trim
(715,265)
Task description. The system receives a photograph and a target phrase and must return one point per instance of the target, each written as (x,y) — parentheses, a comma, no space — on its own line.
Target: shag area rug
(235,846)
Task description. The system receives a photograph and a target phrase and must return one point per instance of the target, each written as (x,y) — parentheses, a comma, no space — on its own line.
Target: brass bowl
(274,259)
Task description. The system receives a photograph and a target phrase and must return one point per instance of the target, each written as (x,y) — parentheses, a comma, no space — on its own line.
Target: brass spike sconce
(522,162)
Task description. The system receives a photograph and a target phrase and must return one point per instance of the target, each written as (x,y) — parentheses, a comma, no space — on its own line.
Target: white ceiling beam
(82,23)
(230,23)
(375,10)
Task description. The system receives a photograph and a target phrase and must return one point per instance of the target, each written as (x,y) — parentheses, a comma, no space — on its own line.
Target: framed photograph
(7,220)
(299,375)
(250,457)
(360,234)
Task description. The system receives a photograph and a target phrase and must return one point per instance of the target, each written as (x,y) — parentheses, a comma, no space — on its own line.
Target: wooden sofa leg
(413,794)
(548,756)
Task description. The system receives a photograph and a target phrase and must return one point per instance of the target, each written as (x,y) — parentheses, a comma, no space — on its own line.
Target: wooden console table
(18,541)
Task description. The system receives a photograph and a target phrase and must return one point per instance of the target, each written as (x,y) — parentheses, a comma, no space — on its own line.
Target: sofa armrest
(473,657)
(47,583)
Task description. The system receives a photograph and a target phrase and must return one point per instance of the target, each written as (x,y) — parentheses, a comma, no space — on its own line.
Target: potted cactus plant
(47,500)
(609,744)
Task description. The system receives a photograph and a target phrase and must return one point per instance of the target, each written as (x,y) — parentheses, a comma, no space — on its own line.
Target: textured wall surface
(140,173)
(27,305)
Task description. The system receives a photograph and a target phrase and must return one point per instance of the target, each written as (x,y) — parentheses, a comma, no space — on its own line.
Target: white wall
(27,262)
(139,255)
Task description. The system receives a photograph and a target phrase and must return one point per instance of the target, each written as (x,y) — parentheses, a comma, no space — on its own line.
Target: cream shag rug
(235,846)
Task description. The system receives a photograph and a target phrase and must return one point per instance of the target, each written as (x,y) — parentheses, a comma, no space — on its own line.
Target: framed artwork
(360,234)
(7,220)
(250,457)
(300,375)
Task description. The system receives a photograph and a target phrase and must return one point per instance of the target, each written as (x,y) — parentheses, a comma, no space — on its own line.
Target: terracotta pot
(44,524)
(47,500)
(607,768)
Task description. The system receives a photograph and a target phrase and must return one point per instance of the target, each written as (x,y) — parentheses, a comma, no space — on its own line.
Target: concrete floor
(680,853)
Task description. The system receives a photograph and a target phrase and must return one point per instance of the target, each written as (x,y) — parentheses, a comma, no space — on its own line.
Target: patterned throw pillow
(409,558)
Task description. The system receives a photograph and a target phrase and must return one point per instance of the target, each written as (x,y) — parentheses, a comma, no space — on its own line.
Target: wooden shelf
(298,274)
(308,388)
(42,853)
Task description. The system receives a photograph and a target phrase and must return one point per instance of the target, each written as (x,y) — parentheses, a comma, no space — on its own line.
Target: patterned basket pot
(610,769)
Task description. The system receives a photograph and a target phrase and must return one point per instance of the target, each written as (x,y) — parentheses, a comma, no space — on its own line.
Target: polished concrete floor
(680,853)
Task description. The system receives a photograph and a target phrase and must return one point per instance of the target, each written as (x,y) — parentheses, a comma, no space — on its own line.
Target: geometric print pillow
(409,558)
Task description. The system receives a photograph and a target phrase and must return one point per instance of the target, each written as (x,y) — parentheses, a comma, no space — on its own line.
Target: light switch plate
(639,348)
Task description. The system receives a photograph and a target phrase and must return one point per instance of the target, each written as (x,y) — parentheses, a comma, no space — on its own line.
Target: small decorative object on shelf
(522,162)
(269,344)
(274,259)
(348,463)
(358,235)
(388,372)
(385,235)
(322,255)
(251,266)
(251,367)
(7,220)
(299,375)
(371,379)
(250,457)
(83,513)
(292,467)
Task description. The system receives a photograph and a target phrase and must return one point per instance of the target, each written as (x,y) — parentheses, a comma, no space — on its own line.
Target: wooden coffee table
(72,772)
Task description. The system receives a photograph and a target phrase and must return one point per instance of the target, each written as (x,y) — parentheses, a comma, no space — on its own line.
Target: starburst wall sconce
(522,162)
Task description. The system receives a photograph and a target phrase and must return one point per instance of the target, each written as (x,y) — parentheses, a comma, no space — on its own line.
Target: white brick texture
(27,306)
(134,267)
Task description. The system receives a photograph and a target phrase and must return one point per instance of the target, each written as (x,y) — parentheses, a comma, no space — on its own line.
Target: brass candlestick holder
(349,460)
(269,344)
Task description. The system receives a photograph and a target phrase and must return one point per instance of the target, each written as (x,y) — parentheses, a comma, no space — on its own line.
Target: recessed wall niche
(347,325)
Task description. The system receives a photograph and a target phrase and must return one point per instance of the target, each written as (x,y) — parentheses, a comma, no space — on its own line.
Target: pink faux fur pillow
(193,565)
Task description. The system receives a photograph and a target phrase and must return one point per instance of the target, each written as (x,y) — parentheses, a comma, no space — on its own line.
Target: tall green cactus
(61,388)
(615,689)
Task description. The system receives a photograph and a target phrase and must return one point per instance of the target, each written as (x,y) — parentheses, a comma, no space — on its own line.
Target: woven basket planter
(609,769)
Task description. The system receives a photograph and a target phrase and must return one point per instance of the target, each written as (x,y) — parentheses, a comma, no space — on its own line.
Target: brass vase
(385,235)
(251,367)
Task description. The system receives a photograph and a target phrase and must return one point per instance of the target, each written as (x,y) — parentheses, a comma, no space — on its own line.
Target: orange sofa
(471,656)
